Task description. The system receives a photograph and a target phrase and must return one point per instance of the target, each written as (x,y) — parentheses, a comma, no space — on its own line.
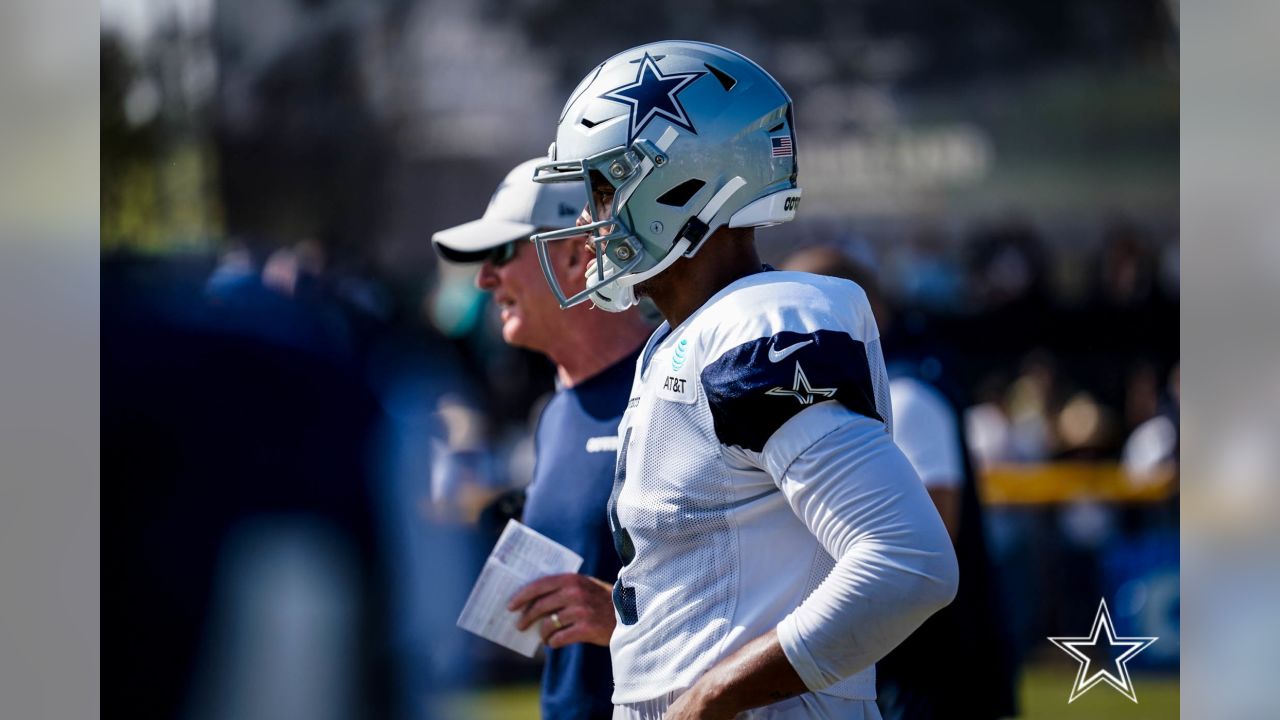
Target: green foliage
(159,204)
(1045,691)
(157,180)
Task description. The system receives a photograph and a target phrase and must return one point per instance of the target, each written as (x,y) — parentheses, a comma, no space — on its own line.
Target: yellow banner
(1039,483)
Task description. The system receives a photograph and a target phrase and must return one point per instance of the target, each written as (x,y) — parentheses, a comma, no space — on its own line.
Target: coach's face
(531,318)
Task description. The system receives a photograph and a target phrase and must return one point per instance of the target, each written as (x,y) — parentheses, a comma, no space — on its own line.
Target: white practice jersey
(714,553)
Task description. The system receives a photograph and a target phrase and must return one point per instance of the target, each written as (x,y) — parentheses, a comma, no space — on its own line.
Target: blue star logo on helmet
(654,95)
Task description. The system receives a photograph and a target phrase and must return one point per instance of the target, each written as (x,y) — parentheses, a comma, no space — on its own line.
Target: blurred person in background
(1007,268)
(1150,452)
(242,534)
(430,442)
(283,300)
(924,676)
(425,450)
(576,439)
(1151,455)
(1031,401)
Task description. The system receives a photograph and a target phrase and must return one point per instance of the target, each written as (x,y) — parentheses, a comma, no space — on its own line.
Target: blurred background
(307,418)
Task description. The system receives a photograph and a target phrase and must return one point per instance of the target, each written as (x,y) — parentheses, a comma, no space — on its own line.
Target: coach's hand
(568,608)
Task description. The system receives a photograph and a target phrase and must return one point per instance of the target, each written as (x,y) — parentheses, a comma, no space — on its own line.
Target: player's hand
(755,675)
(582,605)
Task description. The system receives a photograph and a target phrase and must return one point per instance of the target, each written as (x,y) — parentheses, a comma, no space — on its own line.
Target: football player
(576,439)
(775,542)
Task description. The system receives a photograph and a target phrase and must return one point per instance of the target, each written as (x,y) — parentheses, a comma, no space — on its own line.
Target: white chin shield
(605,286)
(614,297)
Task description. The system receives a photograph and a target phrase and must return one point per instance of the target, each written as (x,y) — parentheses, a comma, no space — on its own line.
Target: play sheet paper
(521,556)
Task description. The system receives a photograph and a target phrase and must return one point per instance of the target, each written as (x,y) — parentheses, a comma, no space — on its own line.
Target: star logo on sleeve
(1113,672)
(654,95)
(801,390)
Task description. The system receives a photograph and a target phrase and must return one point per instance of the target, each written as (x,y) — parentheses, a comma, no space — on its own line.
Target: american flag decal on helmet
(781,146)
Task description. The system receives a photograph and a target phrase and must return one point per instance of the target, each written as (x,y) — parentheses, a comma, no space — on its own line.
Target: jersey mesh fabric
(880,383)
(685,495)
(720,557)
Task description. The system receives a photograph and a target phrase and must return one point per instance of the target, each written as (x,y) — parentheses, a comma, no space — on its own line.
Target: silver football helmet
(687,137)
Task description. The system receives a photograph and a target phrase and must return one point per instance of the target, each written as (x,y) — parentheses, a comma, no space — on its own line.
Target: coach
(576,440)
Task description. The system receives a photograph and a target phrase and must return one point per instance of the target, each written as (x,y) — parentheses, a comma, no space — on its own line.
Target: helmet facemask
(723,158)
(621,259)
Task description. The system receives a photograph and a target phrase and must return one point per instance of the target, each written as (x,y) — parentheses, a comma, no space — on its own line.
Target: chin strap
(623,298)
(697,229)
(691,236)
(688,241)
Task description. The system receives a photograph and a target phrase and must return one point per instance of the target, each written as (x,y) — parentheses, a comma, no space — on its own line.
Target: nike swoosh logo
(776,355)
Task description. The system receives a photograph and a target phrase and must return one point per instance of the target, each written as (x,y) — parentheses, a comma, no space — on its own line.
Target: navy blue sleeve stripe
(759,385)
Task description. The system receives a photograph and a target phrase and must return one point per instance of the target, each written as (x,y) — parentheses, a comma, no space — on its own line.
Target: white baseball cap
(518,208)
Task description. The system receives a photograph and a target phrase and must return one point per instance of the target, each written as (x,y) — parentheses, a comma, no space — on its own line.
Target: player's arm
(858,494)
(895,565)
(757,674)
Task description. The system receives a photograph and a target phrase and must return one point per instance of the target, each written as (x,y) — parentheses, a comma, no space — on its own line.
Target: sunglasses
(503,254)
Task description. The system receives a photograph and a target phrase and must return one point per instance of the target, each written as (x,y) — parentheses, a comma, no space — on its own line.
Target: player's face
(528,311)
(601,204)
